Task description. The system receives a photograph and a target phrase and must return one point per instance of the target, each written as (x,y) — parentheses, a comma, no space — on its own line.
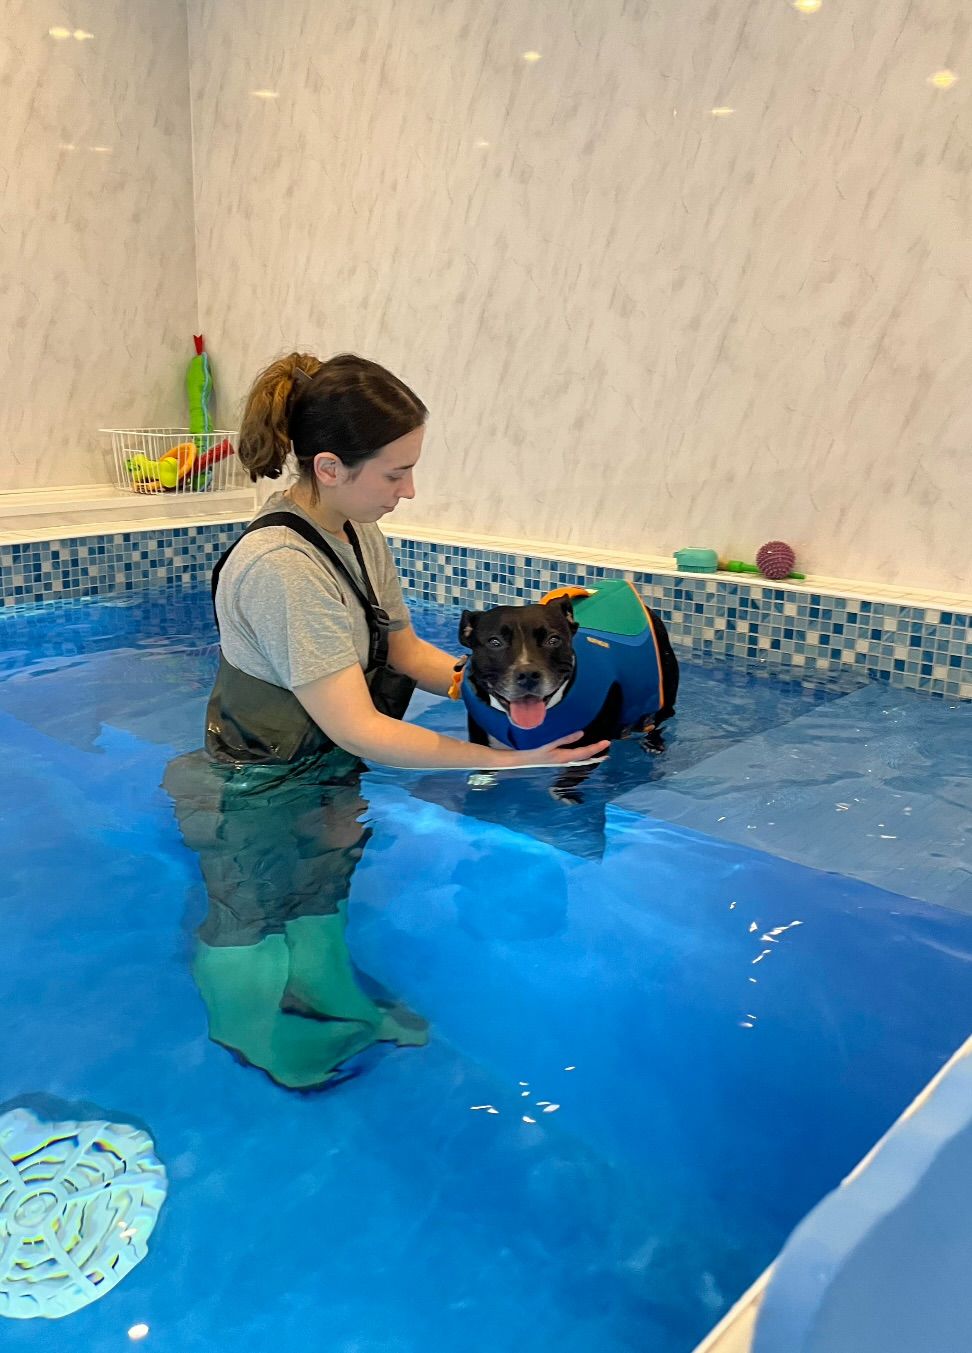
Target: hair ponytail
(265,430)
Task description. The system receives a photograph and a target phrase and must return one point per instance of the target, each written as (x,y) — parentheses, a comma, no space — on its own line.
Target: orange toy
(176,464)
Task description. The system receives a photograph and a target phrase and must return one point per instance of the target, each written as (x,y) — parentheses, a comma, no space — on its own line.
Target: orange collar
(455,688)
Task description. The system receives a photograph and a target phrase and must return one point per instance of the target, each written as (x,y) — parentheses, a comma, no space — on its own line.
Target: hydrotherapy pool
(638,1071)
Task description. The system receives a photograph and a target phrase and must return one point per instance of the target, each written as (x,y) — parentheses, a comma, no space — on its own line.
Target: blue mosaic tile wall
(92,566)
(717,619)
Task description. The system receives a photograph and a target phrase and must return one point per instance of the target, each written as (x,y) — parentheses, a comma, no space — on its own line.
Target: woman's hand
(563,752)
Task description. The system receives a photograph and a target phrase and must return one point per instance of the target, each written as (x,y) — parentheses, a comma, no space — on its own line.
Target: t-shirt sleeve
(297,617)
(390,589)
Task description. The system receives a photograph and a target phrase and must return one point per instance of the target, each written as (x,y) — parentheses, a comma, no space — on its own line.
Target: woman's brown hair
(346,405)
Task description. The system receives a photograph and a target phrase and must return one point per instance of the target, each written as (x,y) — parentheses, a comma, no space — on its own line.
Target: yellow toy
(151,476)
(176,464)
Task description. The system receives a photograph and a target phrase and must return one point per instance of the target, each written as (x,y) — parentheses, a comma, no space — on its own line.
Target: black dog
(523,663)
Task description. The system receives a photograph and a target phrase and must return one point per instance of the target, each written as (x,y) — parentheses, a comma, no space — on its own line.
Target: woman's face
(378,485)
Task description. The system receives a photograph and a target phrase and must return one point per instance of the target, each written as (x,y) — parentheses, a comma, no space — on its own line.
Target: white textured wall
(637,325)
(97,267)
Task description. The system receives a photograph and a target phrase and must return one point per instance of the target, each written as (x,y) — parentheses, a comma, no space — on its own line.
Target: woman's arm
(424,663)
(341,705)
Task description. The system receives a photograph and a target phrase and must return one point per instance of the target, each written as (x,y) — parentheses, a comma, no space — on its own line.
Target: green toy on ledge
(774,560)
(199,392)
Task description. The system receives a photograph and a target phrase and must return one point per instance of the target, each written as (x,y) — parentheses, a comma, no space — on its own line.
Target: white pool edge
(734,1332)
(39,515)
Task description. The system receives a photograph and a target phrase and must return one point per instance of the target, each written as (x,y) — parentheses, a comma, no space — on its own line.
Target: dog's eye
(553,641)
(494,641)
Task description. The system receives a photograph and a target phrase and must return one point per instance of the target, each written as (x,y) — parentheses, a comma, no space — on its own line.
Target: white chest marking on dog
(558,695)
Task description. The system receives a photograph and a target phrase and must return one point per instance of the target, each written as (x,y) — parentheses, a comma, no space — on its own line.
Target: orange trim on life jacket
(570,592)
(658,658)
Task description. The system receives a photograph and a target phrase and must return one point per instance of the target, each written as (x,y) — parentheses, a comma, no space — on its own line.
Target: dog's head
(522,657)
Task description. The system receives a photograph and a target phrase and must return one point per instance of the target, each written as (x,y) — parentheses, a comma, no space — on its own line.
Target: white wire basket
(175,460)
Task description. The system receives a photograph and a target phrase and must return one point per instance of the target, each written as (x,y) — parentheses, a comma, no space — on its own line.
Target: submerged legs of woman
(278,848)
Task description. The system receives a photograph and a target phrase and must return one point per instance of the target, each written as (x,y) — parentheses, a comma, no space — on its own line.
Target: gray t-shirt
(286,615)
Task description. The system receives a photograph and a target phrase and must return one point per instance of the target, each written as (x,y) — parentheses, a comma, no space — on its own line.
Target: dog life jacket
(615,644)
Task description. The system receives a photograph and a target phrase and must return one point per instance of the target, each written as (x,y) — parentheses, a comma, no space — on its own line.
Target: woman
(314,632)
(317,663)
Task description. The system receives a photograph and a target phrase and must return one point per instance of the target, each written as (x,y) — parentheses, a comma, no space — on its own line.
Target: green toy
(199,389)
(696,561)
(737,566)
(144,473)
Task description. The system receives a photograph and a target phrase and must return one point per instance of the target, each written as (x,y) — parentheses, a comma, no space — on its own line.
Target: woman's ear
(326,467)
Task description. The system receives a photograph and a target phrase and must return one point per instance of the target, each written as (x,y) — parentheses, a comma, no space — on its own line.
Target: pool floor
(662,1023)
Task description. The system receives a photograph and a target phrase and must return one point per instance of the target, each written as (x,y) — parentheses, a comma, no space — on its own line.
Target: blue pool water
(609,959)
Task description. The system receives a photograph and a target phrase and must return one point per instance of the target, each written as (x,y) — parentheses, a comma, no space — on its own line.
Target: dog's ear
(467,627)
(566,607)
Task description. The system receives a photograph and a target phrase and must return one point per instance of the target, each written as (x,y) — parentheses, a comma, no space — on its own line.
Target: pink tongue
(528,713)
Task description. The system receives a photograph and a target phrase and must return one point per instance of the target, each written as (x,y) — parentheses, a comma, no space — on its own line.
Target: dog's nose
(528,681)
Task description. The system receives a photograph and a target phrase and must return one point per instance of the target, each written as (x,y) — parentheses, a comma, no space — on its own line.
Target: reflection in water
(278,846)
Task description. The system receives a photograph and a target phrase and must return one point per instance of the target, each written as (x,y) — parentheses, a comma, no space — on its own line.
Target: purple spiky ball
(775,559)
